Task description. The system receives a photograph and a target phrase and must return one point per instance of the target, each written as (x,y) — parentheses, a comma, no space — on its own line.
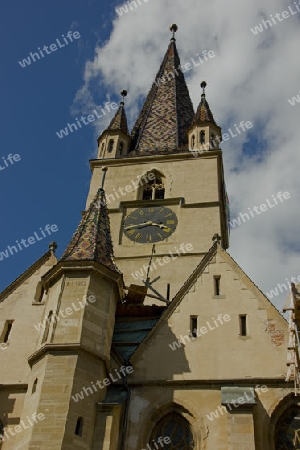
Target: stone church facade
(146,334)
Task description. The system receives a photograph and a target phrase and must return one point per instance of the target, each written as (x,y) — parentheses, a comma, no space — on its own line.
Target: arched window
(202,137)
(79,427)
(48,323)
(287,430)
(153,188)
(34,386)
(121,148)
(110,145)
(175,433)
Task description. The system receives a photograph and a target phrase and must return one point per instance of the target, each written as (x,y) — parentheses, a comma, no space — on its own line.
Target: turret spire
(119,122)
(203,113)
(92,239)
(204,134)
(114,142)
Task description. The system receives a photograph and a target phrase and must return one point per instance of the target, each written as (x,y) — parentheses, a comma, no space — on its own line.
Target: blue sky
(251,78)
(50,183)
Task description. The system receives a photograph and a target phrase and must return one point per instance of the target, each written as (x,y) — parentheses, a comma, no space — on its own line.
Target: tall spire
(167,112)
(92,239)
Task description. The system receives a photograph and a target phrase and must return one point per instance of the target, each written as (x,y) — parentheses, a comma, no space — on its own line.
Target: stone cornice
(71,349)
(153,158)
(63,266)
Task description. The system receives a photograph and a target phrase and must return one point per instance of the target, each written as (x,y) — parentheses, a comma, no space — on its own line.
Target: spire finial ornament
(216,237)
(173,28)
(203,85)
(52,246)
(123,93)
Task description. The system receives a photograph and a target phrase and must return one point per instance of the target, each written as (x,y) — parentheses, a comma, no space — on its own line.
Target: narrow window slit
(243,325)
(79,427)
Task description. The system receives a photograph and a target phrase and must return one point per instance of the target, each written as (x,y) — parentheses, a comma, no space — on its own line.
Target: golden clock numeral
(138,236)
(131,232)
(141,213)
(161,209)
(151,210)
(160,235)
(167,230)
(149,238)
(170,222)
(168,215)
(132,217)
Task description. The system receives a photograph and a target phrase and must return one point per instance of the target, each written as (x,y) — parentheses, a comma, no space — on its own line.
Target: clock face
(150,224)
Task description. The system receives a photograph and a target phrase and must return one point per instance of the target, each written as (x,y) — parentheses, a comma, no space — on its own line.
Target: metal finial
(203,85)
(104,170)
(52,246)
(173,28)
(123,93)
(216,237)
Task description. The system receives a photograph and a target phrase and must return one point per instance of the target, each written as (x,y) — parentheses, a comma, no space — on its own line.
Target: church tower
(162,191)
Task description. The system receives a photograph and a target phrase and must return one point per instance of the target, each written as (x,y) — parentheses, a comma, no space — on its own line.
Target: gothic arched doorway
(287,430)
(177,429)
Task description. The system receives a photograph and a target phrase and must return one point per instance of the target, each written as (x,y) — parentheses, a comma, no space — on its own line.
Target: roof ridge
(31,269)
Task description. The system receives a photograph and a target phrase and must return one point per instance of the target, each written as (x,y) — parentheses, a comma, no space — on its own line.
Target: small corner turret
(204,134)
(115,141)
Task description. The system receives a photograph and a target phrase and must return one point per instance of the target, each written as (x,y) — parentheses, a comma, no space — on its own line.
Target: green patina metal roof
(132,326)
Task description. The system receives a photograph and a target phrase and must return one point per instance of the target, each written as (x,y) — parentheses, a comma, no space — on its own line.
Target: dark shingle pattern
(203,113)
(92,239)
(167,112)
(119,122)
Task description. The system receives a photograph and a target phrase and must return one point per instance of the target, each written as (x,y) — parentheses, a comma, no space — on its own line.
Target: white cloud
(250,78)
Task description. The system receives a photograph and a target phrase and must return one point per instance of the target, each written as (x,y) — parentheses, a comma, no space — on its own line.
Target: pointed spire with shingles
(119,122)
(167,112)
(92,239)
(203,113)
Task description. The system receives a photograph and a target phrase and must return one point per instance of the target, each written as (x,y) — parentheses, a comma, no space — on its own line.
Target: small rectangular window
(243,325)
(7,330)
(194,324)
(217,284)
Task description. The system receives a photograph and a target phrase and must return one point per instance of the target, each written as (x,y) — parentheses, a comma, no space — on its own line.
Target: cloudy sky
(251,78)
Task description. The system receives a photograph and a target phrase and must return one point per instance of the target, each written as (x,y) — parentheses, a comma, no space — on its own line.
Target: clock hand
(160,225)
(139,225)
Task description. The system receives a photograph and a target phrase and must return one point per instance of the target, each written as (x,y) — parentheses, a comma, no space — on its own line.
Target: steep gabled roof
(192,279)
(167,112)
(47,258)
(92,239)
